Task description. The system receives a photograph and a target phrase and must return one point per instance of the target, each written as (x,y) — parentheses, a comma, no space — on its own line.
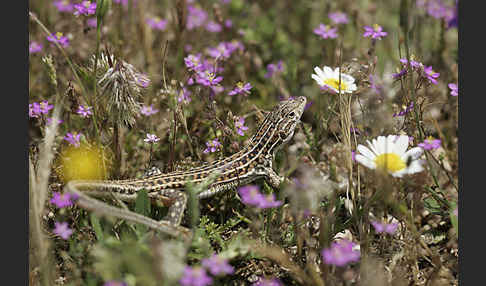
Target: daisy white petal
(365,161)
(401,145)
(389,154)
(366,152)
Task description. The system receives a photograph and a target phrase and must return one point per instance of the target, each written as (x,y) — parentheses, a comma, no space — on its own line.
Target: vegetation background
(279,243)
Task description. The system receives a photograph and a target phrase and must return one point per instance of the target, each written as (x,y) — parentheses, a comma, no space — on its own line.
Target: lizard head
(286,116)
(279,124)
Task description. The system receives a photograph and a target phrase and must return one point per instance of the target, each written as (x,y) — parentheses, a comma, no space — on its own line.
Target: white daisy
(330,79)
(390,154)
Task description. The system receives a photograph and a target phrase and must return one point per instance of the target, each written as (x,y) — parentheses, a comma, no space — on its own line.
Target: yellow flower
(330,78)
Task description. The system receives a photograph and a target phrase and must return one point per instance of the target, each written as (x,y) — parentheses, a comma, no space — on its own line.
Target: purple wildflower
(193,62)
(185,96)
(430,143)
(340,253)
(157,23)
(250,195)
(64,5)
(338,17)
(326,31)
(269,202)
(273,68)
(62,200)
(58,38)
(208,78)
(452,21)
(228,23)
(400,74)
(405,111)
(212,146)
(267,282)
(148,110)
(151,138)
(195,17)
(375,32)
(353,156)
(122,2)
(213,27)
(454,89)
(239,124)
(413,63)
(62,229)
(243,89)
(217,265)
(195,277)
(384,227)
(34,110)
(431,75)
(73,138)
(34,47)
(45,107)
(115,283)
(84,111)
(85,8)
(437,9)
(222,50)
(92,22)
(50,120)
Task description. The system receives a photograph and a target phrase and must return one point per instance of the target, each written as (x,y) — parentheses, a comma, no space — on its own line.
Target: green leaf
(142,203)
(95,222)
(142,206)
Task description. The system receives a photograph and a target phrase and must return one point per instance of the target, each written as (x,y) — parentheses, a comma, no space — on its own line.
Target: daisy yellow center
(376,27)
(334,83)
(58,35)
(390,162)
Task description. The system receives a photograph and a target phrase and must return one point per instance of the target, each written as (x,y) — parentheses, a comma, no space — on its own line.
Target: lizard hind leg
(178,206)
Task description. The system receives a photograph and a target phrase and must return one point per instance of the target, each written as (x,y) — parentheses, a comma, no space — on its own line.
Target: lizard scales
(254,161)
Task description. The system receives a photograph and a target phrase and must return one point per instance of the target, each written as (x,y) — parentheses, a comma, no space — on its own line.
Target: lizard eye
(291,114)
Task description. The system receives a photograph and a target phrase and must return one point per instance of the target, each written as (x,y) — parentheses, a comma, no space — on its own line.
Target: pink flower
(73,138)
(157,23)
(151,138)
(212,146)
(84,111)
(239,124)
(243,89)
(430,143)
(213,27)
(338,18)
(375,32)
(384,227)
(62,229)
(148,110)
(341,253)
(326,31)
(431,75)
(34,47)
(85,8)
(58,38)
(217,265)
(454,89)
(195,277)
